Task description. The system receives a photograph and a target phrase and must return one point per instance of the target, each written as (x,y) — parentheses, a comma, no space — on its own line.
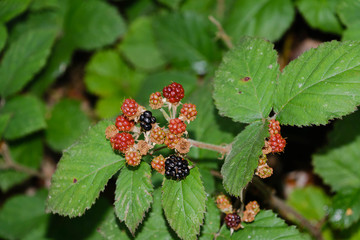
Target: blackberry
(232,220)
(146,119)
(176,168)
(174,92)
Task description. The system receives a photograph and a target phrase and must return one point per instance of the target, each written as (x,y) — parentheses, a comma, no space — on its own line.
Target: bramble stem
(166,116)
(221,149)
(11,164)
(221,32)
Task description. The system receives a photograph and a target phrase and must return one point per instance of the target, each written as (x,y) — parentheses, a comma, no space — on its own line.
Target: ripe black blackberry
(176,168)
(232,220)
(146,119)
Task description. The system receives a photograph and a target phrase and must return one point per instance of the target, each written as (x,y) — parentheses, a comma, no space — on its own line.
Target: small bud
(111,131)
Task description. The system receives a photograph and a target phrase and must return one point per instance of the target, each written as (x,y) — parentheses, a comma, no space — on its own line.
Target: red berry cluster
(129,107)
(122,141)
(174,92)
(188,111)
(276,141)
(123,123)
(176,126)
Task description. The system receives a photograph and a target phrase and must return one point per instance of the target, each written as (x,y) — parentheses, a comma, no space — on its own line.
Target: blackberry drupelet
(176,168)
(146,119)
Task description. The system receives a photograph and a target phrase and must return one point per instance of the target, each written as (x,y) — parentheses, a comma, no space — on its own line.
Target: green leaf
(21,215)
(3,36)
(339,167)
(345,210)
(352,32)
(245,81)
(348,11)
(184,204)
(320,14)
(208,125)
(110,229)
(4,120)
(23,59)
(322,84)
(133,195)
(27,116)
(185,40)
(311,202)
(10,178)
(139,47)
(212,221)
(66,123)
(173,4)
(109,106)
(83,172)
(92,24)
(265,226)
(107,75)
(240,164)
(38,5)
(155,226)
(12,8)
(263,18)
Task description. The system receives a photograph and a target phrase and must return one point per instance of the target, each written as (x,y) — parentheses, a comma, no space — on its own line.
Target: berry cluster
(123,123)
(276,141)
(136,131)
(122,141)
(233,221)
(176,168)
(129,107)
(174,92)
(224,204)
(251,210)
(263,170)
(176,126)
(158,163)
(188,112)
(146,119)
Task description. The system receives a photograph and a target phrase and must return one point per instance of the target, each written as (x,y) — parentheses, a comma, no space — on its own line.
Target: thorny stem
(223,150)
(10,164)
(221,32)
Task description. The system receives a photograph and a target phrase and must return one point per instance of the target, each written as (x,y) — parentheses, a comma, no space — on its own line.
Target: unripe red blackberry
(157,135)
(264,171)
(224,203)
(176,126)
(123,123)
(232,220)
(156,100)
(122,141)
(188,111)
(111,131)
(129,107)
(146,119)
(158,163)
(133,158)
(176,167)
(174,92)
(277,143)
(171,140)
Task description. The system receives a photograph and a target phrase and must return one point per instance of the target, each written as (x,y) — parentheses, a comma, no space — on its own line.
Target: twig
(221,32)
(10,164)
(166,116)
(224,150)
(284,210)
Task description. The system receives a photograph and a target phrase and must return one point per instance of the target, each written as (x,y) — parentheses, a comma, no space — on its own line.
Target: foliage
(64,64)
